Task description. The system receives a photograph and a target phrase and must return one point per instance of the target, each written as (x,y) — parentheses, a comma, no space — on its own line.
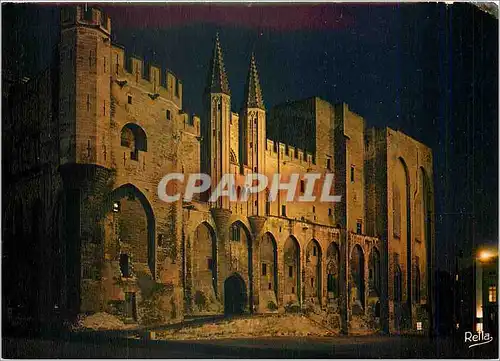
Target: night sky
(429,70)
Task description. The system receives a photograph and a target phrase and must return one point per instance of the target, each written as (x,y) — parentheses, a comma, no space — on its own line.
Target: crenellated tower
(253,132)
(216,123)
(84,100)
(84,139)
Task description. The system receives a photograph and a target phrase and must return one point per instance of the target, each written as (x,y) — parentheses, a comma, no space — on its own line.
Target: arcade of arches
(241,273)
(86,231)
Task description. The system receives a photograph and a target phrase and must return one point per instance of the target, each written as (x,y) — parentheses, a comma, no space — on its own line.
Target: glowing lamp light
(485,255)
(419,326)
(479,327)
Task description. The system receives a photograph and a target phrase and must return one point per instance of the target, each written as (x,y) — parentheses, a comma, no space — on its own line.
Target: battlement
(85,15)
(288,153)
(191,122)
(131,72)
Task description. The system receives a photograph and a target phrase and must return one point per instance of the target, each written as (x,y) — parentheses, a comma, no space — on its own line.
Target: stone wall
(116,133)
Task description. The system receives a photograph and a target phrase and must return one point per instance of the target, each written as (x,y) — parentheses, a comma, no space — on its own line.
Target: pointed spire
(253,92)
(217,78)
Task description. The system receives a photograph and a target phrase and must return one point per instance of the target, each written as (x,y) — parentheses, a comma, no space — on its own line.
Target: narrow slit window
(492,294)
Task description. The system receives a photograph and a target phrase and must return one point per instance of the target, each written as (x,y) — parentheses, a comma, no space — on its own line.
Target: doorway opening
(235,297)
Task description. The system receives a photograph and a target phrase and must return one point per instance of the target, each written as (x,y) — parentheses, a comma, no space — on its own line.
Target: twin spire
(218,80)
(253,92)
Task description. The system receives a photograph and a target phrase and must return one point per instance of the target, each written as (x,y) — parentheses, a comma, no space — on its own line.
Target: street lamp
(485,255)
(482,257)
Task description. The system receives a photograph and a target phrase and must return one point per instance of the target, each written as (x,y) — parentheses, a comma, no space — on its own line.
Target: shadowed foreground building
(87,142)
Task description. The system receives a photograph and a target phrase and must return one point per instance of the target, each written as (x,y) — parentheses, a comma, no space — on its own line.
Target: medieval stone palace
(86,143)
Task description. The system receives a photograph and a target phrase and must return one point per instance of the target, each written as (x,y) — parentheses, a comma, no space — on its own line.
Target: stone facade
(109,134)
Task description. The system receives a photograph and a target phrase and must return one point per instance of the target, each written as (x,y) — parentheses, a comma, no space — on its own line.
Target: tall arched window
(134,138)
(127,138)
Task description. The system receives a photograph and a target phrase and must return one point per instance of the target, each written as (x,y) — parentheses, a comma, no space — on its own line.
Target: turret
(215,126)
(84,103)
(253,132)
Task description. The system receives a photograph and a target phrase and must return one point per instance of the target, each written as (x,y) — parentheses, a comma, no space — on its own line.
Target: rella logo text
(477,339)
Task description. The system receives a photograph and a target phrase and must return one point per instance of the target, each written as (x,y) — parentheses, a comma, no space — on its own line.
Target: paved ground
(106,345)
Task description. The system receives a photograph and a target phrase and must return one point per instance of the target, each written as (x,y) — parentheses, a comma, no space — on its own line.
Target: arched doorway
(357,279)
(241,254)
(129,246)
(133,226)
(235,295)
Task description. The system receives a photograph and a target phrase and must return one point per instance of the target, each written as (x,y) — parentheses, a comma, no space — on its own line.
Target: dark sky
(429,70)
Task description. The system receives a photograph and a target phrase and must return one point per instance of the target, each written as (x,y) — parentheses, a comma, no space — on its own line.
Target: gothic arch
(357,268)
(406,208)
(134,138)
(133,135)
(232,157)
(240,237)
(202,273)
(238,226)
(313,270)
(268,250)
(333,270)
(128,190)
(291,269)
(235,294)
